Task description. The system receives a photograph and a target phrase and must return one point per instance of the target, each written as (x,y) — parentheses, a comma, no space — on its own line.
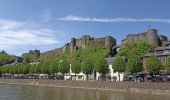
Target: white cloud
(15,34)
(112,20)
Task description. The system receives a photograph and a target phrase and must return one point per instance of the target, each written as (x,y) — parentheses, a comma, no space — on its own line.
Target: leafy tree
(5,58)
(88,67)
(153,65)
(53,68)
(167,64)
(1,70)
(102,66)
(26,68)
(45,67)
(119,65)
(38,68)
(135,48)
(31,70)
(76,67)
(64,67)
(134,64)
(20,69)
(27,59)
(5,69)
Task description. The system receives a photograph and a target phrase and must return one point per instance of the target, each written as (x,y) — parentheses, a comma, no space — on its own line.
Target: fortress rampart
(151,36)
(87,41)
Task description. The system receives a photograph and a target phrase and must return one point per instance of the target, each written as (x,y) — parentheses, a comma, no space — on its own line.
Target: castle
(86,41)
(151,36)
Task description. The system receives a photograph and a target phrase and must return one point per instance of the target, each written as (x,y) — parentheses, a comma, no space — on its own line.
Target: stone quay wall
(146,87)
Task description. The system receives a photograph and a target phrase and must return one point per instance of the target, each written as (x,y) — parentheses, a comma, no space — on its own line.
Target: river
(20,92)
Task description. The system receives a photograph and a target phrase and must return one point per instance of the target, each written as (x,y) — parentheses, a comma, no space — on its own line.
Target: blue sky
(49,24)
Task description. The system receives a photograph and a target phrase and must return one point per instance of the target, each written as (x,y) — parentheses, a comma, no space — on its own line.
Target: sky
(48,24)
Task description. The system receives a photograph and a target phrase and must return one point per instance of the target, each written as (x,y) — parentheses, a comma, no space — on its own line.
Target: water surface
(19,92)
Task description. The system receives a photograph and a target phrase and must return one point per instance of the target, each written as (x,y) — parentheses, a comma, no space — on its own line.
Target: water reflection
(17,92)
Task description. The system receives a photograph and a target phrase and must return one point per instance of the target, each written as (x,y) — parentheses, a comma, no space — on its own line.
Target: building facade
(161,52)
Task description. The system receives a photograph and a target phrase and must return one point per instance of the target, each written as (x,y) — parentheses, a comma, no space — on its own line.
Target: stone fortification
(86,41)
(31,52)
(151,36)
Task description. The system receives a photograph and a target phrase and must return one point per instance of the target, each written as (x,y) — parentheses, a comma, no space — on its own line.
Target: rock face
(151,36)
(84,42)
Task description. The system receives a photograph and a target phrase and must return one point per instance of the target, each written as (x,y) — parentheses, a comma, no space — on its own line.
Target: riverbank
(155,88)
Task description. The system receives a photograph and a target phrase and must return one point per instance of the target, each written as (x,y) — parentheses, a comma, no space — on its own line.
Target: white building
(112,74)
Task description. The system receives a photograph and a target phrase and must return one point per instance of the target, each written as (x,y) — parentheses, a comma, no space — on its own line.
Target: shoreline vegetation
(134,87)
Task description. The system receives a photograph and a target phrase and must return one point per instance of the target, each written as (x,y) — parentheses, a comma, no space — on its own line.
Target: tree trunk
(94,75)
(87,77)
(75,76)
(63,77)
(119,76)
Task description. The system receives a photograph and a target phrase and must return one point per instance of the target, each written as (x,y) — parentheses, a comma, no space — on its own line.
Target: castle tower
(85,41)
(65,48)
(73,44)
(110,42)
(152,36)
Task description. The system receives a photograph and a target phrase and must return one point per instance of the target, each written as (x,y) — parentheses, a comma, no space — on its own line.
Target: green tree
(135,48)
(45,67)
(31,70)
(134,64)
(15,69)
(26,68)
(20,69)
(27,59)
(102,66)
(5,69)
(167,64)
(76,67)
(53,68)
(38,68)
(5,58)
(119,65)
(88,67)
(153,65)
(0,70)
(64,67)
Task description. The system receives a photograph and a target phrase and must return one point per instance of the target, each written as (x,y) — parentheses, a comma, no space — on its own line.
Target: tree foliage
(102,66)
(53,68)
(76,67)
(119,65)
(167,64)
(64,67)
(27,59)
(135,48)
(153,65)
(134,64)
(26,68)
(31,70)
(87,67)
(45,67)
(5,58)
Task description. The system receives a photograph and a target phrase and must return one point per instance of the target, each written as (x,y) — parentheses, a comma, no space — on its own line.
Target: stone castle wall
(151,36)
(87,41)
